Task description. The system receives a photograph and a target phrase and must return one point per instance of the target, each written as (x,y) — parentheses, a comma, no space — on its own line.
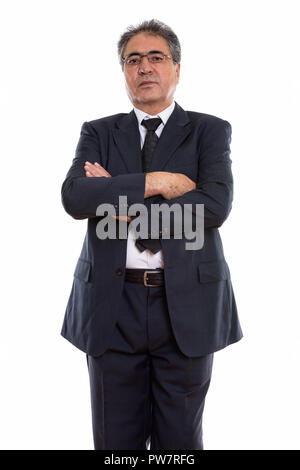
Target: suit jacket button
(119,272)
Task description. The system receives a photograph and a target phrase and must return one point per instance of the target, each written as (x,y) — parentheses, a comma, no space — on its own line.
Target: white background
(59,68)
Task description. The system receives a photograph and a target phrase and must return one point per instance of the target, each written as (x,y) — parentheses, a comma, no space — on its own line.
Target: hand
(96,170)
(169,185)
(92,170)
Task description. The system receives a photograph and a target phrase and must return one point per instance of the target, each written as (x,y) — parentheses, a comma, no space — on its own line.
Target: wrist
(154,183)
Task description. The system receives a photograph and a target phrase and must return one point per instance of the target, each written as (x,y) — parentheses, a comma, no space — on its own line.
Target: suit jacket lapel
(175,131)
(127,138)
(128,141)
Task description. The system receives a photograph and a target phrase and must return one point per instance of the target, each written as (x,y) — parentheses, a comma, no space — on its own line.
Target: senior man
(148,312)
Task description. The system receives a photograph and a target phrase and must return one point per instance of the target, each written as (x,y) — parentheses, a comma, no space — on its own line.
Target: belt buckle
(145,280)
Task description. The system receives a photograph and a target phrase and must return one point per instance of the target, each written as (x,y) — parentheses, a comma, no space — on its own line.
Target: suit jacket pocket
(81,300)
(213,271)
(83,270)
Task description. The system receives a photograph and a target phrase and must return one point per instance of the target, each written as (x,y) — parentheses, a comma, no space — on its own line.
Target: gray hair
(156,28)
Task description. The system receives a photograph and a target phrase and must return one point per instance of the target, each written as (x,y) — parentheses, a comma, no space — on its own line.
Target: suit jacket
(200,296)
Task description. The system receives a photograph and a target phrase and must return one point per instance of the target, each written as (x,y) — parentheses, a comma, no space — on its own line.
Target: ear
(177,71)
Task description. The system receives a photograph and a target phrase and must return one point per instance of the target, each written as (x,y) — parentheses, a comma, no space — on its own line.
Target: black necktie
(147,153)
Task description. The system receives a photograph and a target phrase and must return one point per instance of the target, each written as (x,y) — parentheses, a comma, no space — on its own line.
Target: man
(148,312)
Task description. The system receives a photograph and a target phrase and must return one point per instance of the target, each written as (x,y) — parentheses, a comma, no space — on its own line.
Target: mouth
(146,83)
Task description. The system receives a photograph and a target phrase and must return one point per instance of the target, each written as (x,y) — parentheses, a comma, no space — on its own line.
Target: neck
(153,108)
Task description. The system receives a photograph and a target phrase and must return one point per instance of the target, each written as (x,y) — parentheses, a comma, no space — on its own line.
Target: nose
(145,66)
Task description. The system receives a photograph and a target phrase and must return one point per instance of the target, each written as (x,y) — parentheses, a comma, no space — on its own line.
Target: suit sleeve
(214,185)
(81,195)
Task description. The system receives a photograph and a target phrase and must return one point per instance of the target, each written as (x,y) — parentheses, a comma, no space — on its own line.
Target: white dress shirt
(146,259)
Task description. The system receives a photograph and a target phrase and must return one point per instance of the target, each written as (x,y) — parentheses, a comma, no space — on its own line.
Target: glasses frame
(145,55)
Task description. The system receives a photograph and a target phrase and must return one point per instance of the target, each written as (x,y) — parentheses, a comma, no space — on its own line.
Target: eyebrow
(140,53)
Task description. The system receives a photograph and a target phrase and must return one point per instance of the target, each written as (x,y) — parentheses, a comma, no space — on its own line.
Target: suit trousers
(145,393)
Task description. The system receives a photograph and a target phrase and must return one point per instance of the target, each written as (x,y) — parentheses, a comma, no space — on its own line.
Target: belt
(150,278)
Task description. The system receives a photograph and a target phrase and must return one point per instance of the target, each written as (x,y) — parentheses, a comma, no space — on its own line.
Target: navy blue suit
(198,294)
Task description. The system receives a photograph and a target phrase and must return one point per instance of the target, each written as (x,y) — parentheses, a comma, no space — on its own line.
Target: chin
(148,97)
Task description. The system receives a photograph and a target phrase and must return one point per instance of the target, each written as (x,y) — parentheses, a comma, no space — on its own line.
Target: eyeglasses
(152,56)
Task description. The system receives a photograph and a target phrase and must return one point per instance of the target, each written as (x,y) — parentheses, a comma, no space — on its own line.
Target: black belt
(148,277)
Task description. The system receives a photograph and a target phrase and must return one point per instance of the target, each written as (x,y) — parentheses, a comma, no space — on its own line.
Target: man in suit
(148,313)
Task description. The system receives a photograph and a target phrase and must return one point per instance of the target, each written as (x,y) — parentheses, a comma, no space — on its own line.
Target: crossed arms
(169,185)
(88,184)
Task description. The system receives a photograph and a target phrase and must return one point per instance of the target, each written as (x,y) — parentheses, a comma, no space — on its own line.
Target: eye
(157,58)
(133,60)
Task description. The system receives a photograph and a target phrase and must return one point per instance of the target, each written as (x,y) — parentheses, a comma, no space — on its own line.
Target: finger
(126,218)
(105,173)
(97,165)
(99,171)
(88,174)
(95,170)
(91,169)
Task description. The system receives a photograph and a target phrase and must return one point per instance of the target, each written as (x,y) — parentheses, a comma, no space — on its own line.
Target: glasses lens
(133,60)
(156,57)
(153,57)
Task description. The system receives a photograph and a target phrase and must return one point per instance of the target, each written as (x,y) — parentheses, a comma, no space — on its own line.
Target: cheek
(168,80)
(130,81)
(167,84)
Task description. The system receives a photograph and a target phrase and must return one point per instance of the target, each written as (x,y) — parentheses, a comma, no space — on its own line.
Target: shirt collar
(164,114)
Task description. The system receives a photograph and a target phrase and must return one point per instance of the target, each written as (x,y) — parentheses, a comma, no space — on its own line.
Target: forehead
(146,42)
